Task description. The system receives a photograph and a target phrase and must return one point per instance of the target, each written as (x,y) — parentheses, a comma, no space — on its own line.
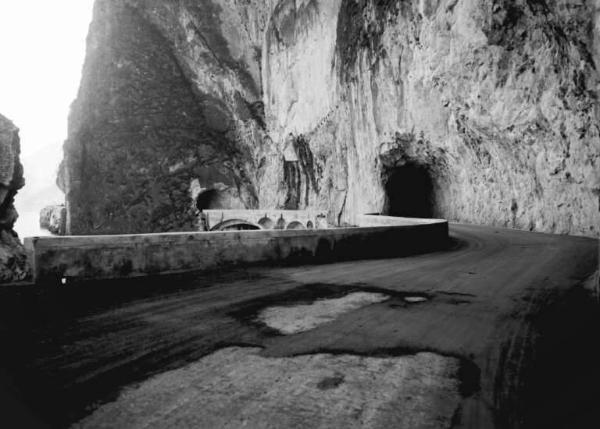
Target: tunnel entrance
(209,199)
(409,191)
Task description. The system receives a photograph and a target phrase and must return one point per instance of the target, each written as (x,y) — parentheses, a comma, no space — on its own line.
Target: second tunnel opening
(409,191)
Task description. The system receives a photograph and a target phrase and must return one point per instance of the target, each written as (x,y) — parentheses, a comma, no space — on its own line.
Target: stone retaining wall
(73,258)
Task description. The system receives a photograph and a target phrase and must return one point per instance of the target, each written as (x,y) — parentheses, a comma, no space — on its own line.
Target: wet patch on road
(311,305)
(236,386)
(331,382)
(292,319)
(456,298)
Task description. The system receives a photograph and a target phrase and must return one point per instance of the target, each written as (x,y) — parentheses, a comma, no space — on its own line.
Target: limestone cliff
(13,264)
(169,108)
(478,111)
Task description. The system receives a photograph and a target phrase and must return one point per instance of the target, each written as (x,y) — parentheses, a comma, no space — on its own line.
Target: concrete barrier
(123,256)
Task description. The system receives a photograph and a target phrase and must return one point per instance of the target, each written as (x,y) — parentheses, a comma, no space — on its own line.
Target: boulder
(53,218)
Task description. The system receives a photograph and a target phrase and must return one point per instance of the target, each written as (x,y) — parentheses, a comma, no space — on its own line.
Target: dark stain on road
(456,298)
(247,312)
(331,382)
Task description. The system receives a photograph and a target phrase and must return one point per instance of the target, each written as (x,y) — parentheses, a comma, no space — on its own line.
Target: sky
(42,48)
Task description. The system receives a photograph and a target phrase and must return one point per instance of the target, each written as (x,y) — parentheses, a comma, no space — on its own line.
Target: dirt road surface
(499,330)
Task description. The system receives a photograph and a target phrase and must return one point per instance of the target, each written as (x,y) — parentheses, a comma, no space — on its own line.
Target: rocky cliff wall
(478,111)
(486,109)
(169,108)
(13,264)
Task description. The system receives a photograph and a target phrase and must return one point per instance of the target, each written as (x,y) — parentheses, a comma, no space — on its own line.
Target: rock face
(13,264)
(54,219)
(169,108)
(476,111)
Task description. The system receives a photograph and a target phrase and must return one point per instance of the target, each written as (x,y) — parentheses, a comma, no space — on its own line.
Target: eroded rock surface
(13,264)
(476,111)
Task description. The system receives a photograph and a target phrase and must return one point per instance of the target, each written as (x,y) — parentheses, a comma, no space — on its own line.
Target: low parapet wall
(123,256)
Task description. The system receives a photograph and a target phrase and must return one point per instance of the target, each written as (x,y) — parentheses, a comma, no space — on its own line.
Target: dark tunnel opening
(409,191)
(207,199)
(210,199)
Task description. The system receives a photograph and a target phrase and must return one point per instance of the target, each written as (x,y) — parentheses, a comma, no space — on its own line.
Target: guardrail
(59,259)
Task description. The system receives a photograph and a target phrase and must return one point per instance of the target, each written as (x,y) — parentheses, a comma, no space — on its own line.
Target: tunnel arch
(296,225)
(266,222)
(235,225)
(409,191)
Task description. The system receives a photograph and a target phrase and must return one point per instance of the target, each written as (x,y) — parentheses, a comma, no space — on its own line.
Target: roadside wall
(124,256)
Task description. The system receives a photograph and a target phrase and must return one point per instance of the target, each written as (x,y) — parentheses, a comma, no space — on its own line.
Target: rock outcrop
(13,262)
(169,108)
(476,111)
(54,219)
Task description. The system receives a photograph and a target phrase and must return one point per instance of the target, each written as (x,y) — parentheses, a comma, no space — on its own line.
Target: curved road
(510,320)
